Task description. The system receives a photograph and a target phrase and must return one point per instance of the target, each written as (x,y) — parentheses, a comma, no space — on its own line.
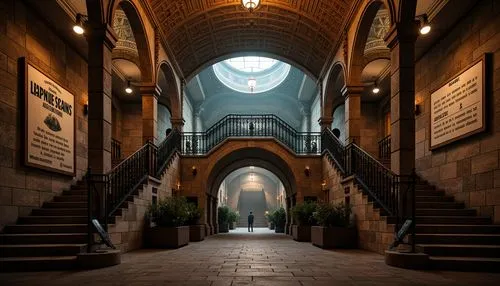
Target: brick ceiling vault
(201,31)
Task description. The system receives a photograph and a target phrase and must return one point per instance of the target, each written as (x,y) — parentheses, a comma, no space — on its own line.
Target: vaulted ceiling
(201,31)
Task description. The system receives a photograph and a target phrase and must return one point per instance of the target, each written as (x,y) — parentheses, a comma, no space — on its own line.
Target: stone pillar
(352,95)
(177,123)
(288,216)
(208,215)
(401,41)
(325,122)
(197,120)
(101,41)
(149,95)
(215,222)
(293,202)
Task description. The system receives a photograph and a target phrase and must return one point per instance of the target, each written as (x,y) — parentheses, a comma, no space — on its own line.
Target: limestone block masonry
(24,34)
(468,169)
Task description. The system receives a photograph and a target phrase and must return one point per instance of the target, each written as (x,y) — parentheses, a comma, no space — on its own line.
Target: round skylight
(251,74)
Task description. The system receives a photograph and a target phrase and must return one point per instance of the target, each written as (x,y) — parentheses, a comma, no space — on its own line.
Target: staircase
(255,202)
(50,237)
(456,238)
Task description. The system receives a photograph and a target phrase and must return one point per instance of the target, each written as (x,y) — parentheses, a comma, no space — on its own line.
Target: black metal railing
(201,143)
(384,148)
(395,194)
(116,150)
(107,192)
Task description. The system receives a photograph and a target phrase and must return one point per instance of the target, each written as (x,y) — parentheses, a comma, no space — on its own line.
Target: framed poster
(458,107)
(49,122)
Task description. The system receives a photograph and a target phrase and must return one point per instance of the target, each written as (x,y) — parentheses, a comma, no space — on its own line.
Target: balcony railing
(251,126)
(384,148)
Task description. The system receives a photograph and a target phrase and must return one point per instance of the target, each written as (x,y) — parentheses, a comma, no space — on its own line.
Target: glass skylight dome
(265,73)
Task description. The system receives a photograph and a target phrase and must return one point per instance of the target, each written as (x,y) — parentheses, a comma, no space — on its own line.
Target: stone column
(149,95)
(288,216)
(197,119)
(215,223)
(401,41)
(101,41)
(293,202)
(352,95)
(325,122)
(208,215)
(177,123)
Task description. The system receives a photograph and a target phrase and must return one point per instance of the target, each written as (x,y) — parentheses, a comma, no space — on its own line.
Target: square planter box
(279,229)
(334,237)
(168,237)
(196,232)
(223,228)
(301,232)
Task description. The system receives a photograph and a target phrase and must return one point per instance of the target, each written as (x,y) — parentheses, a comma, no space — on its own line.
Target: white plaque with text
(50,123)
(457,108)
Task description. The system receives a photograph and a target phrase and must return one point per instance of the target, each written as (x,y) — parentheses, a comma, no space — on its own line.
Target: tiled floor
(242,258)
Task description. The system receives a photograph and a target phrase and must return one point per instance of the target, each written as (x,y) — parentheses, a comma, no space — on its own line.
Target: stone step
(463,229)
(457,238)
(43,238)
(453,220)
(477,264)
(65,205)
(40,263)
(430,192)
(75,193)
(60,212)
(439,205)
(52,219)
(445,212)
(461,250)
(434,199)
(12,250)
(70,198)
(46,228)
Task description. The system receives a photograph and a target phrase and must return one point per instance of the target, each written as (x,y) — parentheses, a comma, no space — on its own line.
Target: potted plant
(167,221)
(270,219)
(233,218)
(335,228)
(304,219)
(196,229)
(223,218)
(279,218)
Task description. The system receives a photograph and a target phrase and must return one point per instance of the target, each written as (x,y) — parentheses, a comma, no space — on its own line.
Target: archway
(244,158)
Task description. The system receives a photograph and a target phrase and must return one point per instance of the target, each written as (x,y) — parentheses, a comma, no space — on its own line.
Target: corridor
(241,258)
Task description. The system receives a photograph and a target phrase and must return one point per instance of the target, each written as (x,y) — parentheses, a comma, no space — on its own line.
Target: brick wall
(24,34)
(467,169)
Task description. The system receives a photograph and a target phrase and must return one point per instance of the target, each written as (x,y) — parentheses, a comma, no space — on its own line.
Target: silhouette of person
(250,221)
(336,132)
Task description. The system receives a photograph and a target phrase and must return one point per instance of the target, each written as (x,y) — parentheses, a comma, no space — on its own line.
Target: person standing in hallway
(250,221)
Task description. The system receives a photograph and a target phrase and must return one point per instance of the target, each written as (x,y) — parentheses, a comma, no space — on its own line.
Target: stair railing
(107,192)
(267,125)
(384,148)
(395,194)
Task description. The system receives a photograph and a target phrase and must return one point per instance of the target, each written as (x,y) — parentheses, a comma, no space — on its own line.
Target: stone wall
(467,169)
(370,125)
(127,233)
(24,34)
(131,122)
(374,233)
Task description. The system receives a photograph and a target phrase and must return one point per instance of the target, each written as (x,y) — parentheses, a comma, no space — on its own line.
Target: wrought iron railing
(201,143)
(384,148)
(395,194)
(116,150)
(107,192)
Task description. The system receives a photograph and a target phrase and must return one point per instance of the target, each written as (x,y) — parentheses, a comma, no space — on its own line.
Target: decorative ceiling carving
(123,30)
(378,30)
(201,31)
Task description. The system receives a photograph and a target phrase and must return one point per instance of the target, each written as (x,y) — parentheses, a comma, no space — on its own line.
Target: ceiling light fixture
(375,89)
(128,89)
(250,5)
(425,27)
(252,83)
(80,22)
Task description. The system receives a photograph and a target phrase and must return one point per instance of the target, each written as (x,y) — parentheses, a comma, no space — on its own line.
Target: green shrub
(223,215)
(330,215)
(303,213)
(234,216)
(169,212)
(194,214)
(279,217)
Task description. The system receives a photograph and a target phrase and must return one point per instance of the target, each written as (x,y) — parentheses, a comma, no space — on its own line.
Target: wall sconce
(424,27)
(418,110)
(194,171)
(86,108)
(178,186)
(323,185)
(307,171)
(79,27)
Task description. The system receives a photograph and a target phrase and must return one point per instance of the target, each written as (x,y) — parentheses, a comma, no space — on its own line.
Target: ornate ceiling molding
(200,31)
